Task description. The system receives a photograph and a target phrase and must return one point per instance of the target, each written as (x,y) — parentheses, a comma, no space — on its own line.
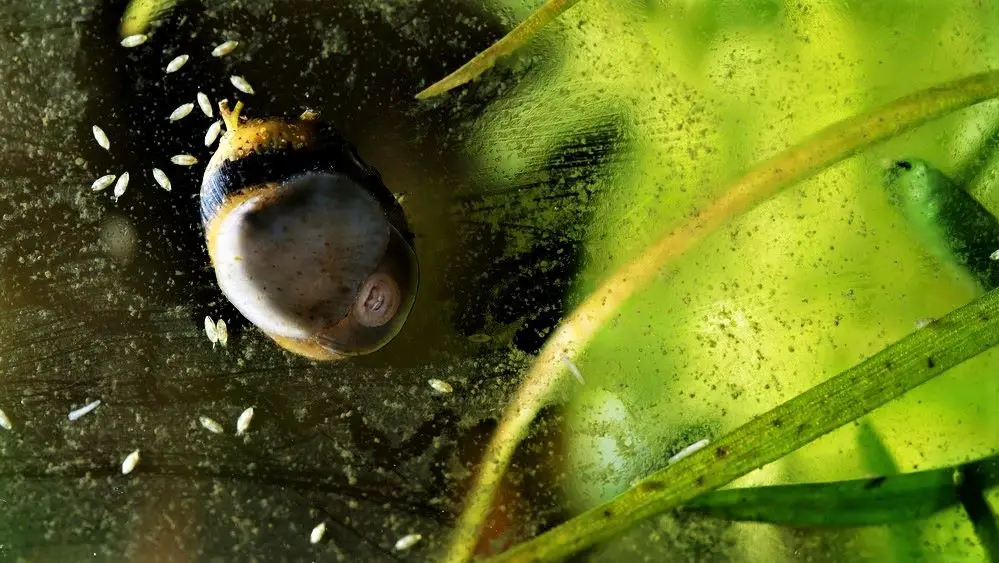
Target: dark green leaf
(858,502)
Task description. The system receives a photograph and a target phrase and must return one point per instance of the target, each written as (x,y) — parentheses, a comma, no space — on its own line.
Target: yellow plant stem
(506,45)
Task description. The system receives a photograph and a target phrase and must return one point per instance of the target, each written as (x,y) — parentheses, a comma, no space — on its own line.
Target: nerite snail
(305,239)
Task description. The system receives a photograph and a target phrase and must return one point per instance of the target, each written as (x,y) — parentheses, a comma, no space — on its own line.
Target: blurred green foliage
(801,288)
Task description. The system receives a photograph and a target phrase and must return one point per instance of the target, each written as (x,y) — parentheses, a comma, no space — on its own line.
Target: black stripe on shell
(330,153)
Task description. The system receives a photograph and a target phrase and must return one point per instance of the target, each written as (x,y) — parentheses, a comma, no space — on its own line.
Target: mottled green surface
(799,289)
(912,361)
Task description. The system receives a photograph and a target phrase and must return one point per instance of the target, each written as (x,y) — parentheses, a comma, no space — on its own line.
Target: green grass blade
(952,224)
(874,455)
(508,44)
(858,502)
(972,483)
(908,363)
(904,538)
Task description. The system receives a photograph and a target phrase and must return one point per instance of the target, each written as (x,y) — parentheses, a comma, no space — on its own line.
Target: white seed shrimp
(102,138)
(222,333)
(224,49)
(176,63)
(687,451)
(183,160)
(205,104)
(121,185)
(241,84)
(407,541)
(213,133)
(162,179)
(129,463)
(134,40)
(440,386)
(317,533)
(210,425)
(103,182)
(76,414)
(243,422)
(211,331)
(181,112)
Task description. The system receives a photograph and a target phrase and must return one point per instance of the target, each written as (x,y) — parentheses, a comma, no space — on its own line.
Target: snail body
(305,239)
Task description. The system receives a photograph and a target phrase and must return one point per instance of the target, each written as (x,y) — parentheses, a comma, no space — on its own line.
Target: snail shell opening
(378,301)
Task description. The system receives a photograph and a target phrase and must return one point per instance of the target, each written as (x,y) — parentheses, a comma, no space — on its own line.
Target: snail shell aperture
(377,301)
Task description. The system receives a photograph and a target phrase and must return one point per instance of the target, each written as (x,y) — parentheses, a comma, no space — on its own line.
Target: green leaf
(858,502)
(906,537)
(972,481)
(956,228)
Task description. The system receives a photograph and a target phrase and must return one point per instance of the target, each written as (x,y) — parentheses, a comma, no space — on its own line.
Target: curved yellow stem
(506,45)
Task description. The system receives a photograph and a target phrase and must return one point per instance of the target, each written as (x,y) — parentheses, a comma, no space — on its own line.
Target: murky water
(104,298)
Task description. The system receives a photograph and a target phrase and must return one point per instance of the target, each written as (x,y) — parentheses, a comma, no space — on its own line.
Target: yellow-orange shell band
(261,135)
(310,349)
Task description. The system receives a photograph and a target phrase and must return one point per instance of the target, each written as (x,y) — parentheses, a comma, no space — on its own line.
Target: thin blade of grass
(829,146)
(972,483)
(910,362)
(857,502)
(904,538)
(508,44)
(874,455)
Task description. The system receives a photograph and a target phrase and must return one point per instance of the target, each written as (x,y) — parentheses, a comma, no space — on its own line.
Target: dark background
(105,300)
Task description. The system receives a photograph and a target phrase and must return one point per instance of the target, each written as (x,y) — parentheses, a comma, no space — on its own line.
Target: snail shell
(305,239)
